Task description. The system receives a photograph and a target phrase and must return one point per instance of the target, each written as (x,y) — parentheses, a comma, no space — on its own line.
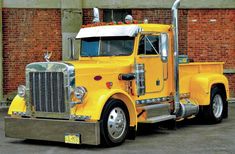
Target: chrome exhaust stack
(174,10)
(185,107)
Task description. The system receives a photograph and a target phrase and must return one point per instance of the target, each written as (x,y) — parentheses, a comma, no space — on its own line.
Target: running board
(159,119)
(155,110)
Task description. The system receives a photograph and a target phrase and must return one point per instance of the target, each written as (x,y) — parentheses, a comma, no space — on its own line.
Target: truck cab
(126,74)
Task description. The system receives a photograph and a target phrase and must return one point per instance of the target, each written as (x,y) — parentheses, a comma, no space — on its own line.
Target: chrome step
(159,119)
(155,110)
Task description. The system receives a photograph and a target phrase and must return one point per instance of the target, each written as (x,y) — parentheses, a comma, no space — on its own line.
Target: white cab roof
(108,31)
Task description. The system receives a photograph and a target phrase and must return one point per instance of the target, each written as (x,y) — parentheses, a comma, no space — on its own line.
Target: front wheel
(115,123)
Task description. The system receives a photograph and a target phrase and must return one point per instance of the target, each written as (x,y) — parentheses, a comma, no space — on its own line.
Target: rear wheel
(115,123)
(217,106)
(214,112)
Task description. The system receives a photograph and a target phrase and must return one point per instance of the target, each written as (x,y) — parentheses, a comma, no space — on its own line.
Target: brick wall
(163,16)
(27,34)
(231,79)
(205,35)
(88,16)
(211,37)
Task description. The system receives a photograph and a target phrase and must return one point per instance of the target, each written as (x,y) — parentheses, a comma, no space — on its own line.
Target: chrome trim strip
(52,102)
(39,86)
(58,85)
(34,88)
(154,100)
(161,99)
(80,117)
(46,92)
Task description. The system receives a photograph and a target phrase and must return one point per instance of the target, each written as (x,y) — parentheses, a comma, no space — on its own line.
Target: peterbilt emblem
(47,56)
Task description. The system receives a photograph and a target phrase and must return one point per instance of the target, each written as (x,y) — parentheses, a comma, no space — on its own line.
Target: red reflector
(109,85)
(98,77)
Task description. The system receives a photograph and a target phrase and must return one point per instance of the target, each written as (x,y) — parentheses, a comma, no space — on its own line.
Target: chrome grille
(47,91)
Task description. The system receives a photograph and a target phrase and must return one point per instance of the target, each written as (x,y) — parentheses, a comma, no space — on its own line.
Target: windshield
(107,46)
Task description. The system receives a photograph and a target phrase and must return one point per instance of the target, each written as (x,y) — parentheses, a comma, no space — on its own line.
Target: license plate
(72,138)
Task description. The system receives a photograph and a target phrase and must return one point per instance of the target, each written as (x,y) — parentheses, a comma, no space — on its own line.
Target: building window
(115,14)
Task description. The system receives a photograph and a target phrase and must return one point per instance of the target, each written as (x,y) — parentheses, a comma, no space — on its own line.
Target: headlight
(80,92)
(21,90)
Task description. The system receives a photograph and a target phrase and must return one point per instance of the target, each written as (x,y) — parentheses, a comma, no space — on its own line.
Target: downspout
(1,53)
(174,10)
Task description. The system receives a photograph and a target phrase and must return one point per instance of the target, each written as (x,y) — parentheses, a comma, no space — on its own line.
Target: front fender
(201,84)
(95,102)
(17,105)
(92,106)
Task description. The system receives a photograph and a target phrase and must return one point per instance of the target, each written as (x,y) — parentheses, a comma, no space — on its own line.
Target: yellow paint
(200,86)
(17,105)
(94,104)
(154,72)
(72,139)
(198,78)
(195,78)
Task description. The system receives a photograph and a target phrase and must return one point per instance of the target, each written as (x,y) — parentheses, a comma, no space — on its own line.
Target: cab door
(149,57)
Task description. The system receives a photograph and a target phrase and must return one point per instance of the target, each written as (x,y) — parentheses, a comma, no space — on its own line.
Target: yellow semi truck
(126,74)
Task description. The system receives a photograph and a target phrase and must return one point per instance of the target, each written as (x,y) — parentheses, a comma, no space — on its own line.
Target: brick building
(29,28)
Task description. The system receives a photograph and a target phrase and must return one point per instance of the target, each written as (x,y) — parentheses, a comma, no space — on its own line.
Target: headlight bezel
(80,92)
(21,90)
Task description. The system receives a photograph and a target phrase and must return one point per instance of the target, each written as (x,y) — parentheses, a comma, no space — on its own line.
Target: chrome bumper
(52,130)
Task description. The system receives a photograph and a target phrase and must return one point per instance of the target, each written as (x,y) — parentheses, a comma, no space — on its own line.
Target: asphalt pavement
(190,136)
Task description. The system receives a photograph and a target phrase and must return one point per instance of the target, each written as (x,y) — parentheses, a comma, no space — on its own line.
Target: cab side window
(149,45)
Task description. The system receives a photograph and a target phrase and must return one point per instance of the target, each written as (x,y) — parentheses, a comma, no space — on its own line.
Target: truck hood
(101,66)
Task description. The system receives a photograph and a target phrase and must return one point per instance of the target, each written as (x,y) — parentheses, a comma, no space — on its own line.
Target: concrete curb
(232,100)
(3,110)
(4,105)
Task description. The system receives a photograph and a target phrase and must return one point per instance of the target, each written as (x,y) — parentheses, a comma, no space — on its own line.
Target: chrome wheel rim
(116,123)
(217,106)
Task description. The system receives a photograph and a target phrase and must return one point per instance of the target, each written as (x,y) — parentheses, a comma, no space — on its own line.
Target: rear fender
(201,84)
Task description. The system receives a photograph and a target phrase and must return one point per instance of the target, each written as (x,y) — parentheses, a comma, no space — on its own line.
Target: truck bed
(201,67)
(188,70)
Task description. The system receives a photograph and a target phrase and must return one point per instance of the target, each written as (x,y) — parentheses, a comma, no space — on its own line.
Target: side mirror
(164,47)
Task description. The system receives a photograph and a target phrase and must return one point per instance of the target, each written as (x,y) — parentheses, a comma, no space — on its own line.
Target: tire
(114,123)
(214,112)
